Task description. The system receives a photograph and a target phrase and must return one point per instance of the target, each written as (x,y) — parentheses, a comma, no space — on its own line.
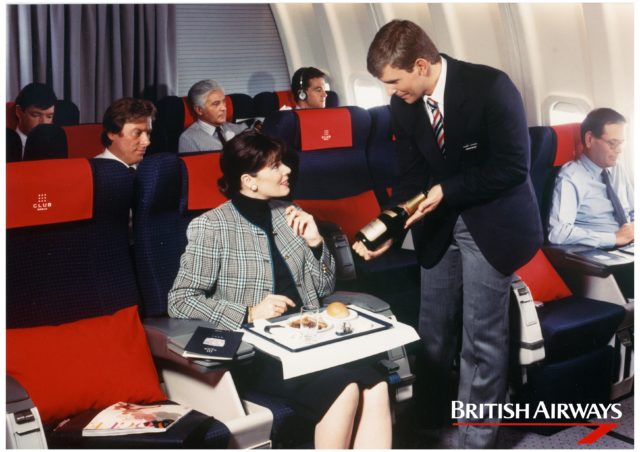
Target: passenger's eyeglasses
(613,144)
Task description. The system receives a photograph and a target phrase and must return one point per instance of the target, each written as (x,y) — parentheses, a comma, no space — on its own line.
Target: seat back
(66,113)
(12,119)
(14,146)
(265,103)
(46,141)
(67,241)
(333,100)
(83,140)
(381,152)
(568,143)
(170,192)
(242,107)
(551,147)
(333,181)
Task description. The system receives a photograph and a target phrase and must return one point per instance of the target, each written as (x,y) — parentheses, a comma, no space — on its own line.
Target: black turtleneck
(258,212)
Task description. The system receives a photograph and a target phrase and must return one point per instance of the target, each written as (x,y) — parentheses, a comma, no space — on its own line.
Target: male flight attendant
(461,132)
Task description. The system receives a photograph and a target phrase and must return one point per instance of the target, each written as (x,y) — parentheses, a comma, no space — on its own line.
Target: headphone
(300,93)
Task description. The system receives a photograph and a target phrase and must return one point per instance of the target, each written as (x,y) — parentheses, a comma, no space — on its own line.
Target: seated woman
(256,257)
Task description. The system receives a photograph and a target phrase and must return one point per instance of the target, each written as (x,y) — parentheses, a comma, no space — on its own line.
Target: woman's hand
(367,255)
(271,306)
(303,225)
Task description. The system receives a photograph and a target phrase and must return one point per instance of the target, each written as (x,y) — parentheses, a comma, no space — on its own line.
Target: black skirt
(311,395)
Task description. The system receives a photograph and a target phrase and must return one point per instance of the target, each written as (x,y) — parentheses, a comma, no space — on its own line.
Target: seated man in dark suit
(211,131)
(35,105)
(593,197)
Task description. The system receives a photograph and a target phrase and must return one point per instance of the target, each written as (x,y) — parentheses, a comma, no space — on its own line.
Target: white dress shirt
(438,91)
(107,154)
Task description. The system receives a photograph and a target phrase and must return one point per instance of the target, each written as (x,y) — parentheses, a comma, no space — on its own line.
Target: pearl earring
(254,187)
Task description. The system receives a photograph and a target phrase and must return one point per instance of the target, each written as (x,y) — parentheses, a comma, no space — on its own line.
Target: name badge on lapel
(470,147)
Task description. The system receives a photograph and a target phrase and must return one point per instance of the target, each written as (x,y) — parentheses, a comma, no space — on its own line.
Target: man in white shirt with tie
(126,130)
(593,198)
(211,131)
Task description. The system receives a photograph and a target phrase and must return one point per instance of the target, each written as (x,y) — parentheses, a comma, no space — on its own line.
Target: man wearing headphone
(309,88)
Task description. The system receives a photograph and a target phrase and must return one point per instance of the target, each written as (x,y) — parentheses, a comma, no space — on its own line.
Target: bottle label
(390,213)
(373,230)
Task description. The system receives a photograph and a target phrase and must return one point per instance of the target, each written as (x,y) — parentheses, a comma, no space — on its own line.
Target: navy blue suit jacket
(485,176)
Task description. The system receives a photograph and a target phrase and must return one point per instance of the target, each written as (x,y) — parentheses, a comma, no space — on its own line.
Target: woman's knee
(351,393)
(377,395)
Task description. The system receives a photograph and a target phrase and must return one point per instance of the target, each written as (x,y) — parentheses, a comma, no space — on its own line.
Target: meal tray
(363,324)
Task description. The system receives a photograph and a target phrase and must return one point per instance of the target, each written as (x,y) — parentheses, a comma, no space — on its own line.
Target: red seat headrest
(325,128)
(203,172)
(285,98)
(83,140)
(569,144)
(48,191)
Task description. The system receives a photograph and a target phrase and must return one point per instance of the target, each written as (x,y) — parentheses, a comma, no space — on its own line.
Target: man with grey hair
(211,131)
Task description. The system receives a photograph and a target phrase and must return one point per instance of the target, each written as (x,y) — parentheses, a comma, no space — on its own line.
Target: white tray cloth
(335,354)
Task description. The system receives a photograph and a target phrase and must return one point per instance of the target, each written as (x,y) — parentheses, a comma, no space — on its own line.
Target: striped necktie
(437,124)
(618,210)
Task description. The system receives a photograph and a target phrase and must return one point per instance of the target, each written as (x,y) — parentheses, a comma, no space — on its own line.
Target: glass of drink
(309,317)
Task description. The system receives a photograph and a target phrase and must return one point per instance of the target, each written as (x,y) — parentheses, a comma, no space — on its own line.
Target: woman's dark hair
(246,153)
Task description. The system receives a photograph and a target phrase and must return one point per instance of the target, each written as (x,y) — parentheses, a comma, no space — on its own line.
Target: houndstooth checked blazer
(227,267)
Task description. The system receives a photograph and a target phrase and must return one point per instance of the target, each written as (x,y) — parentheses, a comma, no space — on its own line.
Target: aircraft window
(368,93)
(565,110)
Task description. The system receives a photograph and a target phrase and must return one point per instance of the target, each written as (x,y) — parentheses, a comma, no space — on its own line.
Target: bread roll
(337,310)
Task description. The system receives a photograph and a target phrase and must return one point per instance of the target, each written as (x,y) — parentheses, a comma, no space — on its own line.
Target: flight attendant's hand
(428,205)
(367,255)
(271,306)
(303,225)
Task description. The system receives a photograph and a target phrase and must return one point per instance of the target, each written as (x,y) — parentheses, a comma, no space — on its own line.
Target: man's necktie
(437,124)
(618,211)
(132,170)
(220,135)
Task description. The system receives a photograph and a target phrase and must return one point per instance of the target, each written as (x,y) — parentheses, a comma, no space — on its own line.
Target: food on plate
(337,310)
(308,323)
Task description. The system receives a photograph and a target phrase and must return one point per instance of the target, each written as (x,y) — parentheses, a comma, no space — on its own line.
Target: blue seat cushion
(576,325)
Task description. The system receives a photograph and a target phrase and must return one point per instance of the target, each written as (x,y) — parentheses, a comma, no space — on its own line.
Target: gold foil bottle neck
(412,205)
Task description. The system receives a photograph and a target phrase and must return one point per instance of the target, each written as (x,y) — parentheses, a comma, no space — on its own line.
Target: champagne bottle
(389,223)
